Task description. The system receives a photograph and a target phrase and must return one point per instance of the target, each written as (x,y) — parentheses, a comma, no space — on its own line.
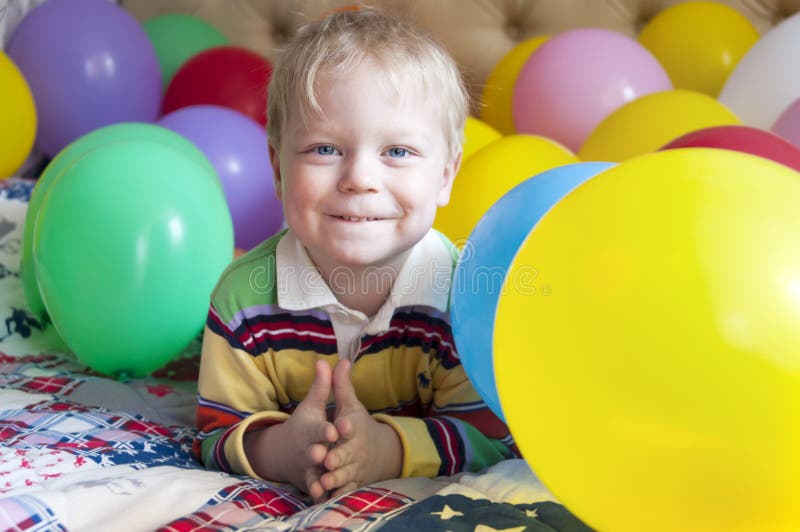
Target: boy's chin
(371,258)
(365,260)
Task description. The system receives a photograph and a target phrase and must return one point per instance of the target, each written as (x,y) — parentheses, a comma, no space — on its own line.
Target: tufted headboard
(476,32)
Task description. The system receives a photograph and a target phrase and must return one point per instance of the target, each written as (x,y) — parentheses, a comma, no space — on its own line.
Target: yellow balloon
(648,123)
(17,117)
(491,172)
(499,88)
(477,134)
(647,345)
(699,43)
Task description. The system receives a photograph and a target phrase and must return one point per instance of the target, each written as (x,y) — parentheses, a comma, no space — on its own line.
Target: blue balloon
(485,261)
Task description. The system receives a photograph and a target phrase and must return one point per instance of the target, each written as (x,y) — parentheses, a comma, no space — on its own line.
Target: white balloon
(767,79)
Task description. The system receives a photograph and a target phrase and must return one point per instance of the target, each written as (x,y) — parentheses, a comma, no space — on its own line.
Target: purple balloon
(237,147)
(89,64)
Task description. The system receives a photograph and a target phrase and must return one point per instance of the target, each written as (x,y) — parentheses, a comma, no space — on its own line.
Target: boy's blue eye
(397,152)
(325,150)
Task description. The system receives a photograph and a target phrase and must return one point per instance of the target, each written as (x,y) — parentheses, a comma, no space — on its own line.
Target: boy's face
(360,184)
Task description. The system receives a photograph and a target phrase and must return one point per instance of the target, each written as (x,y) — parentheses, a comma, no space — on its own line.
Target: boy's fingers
(315,489)
(333,480)
(344,428)
(317,452)
(325,432)
(322,441)
(338,457)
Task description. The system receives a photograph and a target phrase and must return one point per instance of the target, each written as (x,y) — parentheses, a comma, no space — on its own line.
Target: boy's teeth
(356,219)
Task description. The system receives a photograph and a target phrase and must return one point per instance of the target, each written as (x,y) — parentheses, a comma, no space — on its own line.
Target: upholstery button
(514,30)
(282,32)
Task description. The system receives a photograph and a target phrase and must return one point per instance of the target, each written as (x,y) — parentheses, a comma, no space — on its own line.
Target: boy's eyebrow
(408,134)
(389,133)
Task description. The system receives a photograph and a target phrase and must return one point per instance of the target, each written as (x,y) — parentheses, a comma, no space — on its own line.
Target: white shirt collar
(424,279)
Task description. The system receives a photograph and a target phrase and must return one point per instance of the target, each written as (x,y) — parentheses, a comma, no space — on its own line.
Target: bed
(79,451)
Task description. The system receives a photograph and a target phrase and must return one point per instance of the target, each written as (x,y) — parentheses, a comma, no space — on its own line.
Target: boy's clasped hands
(328,458)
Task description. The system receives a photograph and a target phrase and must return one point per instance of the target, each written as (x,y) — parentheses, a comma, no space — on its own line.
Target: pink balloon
(788,124)
(577,78)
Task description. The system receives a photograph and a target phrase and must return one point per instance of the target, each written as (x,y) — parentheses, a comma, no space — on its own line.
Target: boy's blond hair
(344,39)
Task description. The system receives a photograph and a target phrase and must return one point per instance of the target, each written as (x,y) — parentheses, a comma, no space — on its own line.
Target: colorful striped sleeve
(458,433)
(235,395)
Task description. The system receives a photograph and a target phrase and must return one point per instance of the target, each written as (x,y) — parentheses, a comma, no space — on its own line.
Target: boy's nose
(358,176)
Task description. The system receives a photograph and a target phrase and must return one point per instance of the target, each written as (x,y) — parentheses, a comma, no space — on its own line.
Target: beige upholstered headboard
(476,32)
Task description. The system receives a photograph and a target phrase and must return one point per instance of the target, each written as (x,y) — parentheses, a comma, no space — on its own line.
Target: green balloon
(129,242)
(73,152)
(178,37)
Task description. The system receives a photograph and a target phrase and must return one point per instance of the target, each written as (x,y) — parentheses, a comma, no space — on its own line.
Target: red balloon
(228,76)
(744,139)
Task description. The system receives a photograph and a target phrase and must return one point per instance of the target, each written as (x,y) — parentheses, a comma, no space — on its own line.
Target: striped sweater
(265,332)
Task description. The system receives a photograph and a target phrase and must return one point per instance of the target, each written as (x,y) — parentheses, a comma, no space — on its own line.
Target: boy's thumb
(343,390)
(320,389)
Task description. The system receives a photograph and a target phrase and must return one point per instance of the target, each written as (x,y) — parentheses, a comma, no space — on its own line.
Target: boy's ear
(450,170)
(274,161)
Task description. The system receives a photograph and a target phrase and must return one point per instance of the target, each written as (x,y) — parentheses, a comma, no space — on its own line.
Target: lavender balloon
(237,147)
(89,64)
